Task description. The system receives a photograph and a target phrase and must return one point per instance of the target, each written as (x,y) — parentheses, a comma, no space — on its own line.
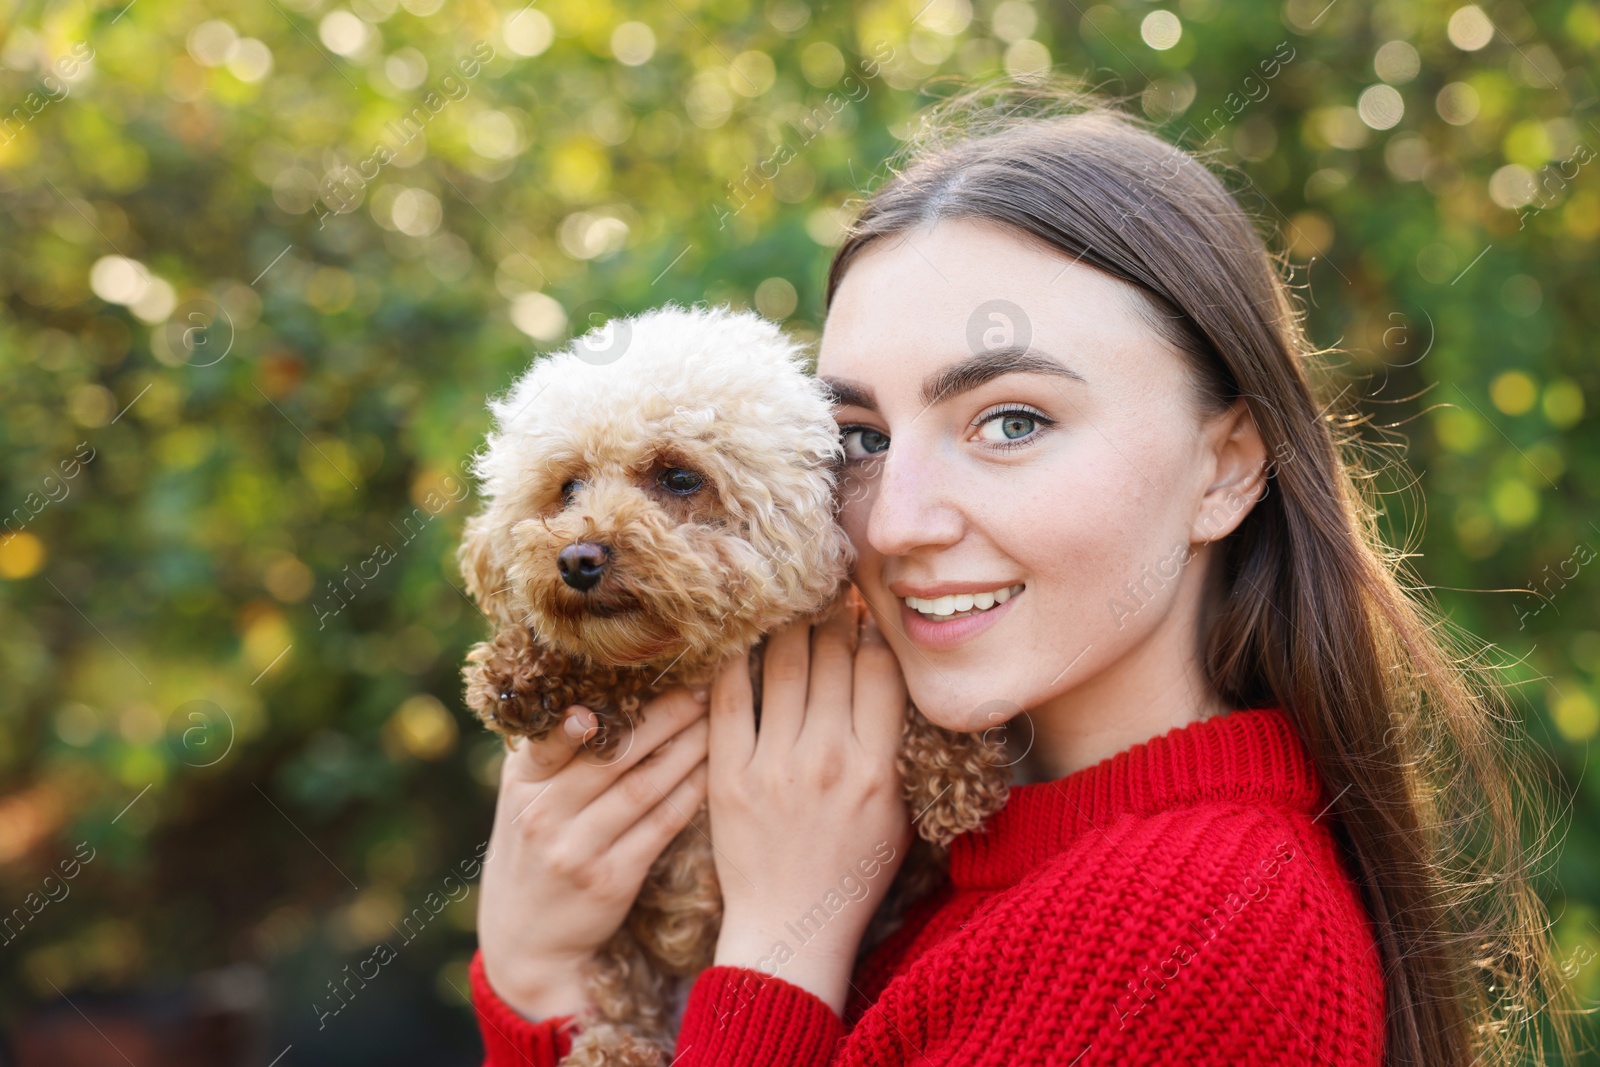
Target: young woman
(1095,503)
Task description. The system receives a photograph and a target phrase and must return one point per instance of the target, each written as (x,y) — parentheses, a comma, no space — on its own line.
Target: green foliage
(245,354)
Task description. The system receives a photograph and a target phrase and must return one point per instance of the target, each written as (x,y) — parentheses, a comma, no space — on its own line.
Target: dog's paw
(511,687)
(519,686)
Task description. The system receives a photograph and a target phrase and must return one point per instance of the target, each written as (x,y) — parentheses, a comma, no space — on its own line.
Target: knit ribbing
(1250,757)
(509,1038)
(772,1021)
(1180,902)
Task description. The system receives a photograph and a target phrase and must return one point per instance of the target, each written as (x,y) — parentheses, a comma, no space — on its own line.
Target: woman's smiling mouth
(942,618)
(960,605)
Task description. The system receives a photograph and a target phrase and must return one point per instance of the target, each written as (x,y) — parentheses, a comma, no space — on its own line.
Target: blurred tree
(260,265)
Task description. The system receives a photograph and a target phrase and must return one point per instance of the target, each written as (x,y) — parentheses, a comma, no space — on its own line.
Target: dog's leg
(520,687)
(602,1044)
(629,1026)
(679,909)
(670,933)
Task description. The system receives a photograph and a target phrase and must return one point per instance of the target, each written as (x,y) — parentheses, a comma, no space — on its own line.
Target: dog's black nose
(582,565)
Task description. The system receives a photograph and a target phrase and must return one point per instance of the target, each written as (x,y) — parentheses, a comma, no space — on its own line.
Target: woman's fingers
(535,761)
(642,788)
(832,649)
(879,711)
(639,846)
(784,671)
(733,721)
(664,715)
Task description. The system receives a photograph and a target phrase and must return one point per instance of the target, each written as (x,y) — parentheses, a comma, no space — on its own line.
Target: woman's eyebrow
(981,367)
(850,394)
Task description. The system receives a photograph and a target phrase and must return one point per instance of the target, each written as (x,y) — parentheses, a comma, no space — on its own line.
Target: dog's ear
(480,566)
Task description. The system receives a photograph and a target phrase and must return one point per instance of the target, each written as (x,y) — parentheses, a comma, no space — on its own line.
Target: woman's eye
(860,442)
(1004,427)
(681,481)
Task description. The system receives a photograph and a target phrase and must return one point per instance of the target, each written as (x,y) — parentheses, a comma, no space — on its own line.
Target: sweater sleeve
(784,1021)
(739,1016)
(509,1040)
(733,1015)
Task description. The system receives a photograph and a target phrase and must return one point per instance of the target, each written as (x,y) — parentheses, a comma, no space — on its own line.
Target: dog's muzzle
(583,564)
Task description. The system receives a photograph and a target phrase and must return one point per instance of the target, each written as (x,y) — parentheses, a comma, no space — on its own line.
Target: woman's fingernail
(700,693)
(578,724)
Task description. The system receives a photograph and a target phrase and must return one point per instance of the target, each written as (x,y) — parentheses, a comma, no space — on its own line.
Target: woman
(1094,502)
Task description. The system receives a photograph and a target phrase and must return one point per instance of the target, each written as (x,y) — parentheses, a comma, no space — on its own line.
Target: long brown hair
(1315,616)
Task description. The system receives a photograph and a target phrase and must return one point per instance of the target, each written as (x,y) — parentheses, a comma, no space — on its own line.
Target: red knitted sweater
(1182,902)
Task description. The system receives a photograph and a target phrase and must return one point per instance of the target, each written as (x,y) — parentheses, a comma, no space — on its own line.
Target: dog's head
(660,491)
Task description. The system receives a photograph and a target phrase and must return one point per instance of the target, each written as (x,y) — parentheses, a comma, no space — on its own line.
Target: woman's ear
(481,568)
(1238,472)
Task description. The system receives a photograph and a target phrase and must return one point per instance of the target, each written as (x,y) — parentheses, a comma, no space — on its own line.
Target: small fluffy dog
(660,495)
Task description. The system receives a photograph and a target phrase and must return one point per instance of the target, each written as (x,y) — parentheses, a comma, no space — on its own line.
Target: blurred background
(261,264)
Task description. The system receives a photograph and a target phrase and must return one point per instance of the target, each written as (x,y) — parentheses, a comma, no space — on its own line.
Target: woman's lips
(942,634)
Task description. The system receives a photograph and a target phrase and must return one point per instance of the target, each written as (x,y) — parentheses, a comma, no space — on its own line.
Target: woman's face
(1029,478)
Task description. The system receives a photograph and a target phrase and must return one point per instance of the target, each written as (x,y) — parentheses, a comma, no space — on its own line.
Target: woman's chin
(943,707)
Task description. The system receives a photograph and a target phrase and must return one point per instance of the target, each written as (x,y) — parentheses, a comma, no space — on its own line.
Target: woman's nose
(912,504)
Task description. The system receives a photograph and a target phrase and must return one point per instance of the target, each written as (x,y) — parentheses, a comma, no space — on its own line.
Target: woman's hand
(575,833)
(806,815)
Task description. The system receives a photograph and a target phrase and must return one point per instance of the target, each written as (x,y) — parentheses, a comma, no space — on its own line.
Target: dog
(657,496)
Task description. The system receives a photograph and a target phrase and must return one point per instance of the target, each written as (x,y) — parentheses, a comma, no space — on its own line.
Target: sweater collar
(1253,757)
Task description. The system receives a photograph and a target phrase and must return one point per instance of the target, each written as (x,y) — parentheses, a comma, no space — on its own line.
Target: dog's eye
(571,487)
(680,481)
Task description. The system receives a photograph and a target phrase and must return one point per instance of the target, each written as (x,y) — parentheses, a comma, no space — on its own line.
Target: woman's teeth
(960,605)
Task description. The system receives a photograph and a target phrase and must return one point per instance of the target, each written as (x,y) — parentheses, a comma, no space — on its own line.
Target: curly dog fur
(651,506)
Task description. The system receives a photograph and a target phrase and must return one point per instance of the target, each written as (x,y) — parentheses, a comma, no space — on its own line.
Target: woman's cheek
(855,510)
(866,572)
(1082,614)
(1126,593)
(853,518)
